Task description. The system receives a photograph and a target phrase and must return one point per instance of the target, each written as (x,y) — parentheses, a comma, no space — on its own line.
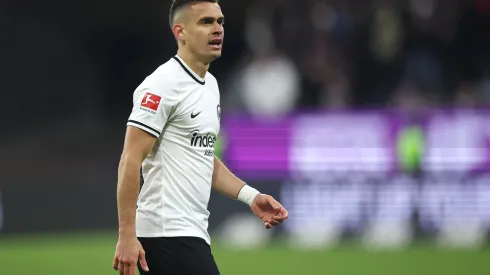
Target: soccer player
(170,135)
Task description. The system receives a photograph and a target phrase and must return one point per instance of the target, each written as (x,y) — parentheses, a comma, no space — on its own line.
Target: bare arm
(265,207)
(137,145)
(226,183)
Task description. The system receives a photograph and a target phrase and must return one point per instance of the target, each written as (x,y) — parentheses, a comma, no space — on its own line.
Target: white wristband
(247,194)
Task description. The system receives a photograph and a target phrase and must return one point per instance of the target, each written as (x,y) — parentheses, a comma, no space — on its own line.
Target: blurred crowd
(80,62)
(340,54)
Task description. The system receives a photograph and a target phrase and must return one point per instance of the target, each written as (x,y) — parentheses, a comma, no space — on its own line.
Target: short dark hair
(178,4)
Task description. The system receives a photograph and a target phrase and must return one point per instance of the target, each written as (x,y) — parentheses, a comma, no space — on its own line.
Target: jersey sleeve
(152,104)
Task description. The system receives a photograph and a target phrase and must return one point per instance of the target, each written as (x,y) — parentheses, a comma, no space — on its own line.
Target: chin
(213,56)
(216,54)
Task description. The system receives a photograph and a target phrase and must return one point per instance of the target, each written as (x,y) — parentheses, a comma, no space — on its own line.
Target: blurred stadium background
(368,119)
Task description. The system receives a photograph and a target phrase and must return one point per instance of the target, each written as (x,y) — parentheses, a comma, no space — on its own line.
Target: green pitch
(92,254)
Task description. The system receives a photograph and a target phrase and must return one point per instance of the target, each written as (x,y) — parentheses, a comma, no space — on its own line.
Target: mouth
(216,43)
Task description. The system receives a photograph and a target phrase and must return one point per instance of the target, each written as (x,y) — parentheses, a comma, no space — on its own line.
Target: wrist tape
(247,194)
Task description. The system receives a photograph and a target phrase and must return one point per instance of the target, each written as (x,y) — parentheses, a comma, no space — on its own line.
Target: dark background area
(82,60)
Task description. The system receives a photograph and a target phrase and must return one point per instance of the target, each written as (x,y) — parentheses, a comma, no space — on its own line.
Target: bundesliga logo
(151,102)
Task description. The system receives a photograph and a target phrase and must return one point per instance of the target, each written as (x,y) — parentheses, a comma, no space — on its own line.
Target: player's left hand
(271,212)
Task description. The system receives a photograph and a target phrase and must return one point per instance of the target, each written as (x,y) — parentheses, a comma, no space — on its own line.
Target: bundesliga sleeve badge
(151,101)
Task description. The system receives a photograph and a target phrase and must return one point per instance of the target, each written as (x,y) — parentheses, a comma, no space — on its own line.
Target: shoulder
(211,78)
(166,81)
(212,81)
(165,77)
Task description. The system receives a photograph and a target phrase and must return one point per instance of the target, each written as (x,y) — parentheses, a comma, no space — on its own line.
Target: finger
(115,263)
(126,269)
(279,218)
(121,268)
(132,269)
(276,222)
(284,213)
(267,225)
(143,263)
(273,223)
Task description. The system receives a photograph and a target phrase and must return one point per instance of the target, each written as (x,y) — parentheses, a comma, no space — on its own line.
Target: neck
(199,67)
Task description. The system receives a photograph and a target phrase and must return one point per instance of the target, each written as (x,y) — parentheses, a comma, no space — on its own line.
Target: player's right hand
(128,252)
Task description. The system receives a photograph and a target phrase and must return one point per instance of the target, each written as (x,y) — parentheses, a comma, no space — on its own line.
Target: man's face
(203,30)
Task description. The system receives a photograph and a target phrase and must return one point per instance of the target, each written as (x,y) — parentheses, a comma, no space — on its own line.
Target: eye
(221,21)
(207,21)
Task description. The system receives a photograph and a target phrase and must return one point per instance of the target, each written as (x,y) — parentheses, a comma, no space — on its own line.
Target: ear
(178,31)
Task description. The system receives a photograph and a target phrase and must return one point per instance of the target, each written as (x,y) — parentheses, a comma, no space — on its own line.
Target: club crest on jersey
(218,110)
(151,101)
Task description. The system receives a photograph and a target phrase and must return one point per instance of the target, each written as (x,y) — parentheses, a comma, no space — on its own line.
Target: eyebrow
(210,18)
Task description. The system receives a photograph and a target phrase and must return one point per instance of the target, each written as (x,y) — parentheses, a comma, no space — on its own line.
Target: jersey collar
(189,71)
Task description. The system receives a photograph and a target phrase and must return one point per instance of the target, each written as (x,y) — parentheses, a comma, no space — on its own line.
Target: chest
(200,111)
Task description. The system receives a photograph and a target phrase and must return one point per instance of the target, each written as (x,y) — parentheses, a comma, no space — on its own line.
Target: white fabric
(182,110)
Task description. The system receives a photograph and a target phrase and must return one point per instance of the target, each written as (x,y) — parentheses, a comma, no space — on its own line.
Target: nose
(218,29)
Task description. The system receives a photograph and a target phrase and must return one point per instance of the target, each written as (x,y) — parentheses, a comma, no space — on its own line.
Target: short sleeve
(152,104)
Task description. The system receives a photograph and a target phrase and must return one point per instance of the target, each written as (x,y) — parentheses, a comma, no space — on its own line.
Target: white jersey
(183,111)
